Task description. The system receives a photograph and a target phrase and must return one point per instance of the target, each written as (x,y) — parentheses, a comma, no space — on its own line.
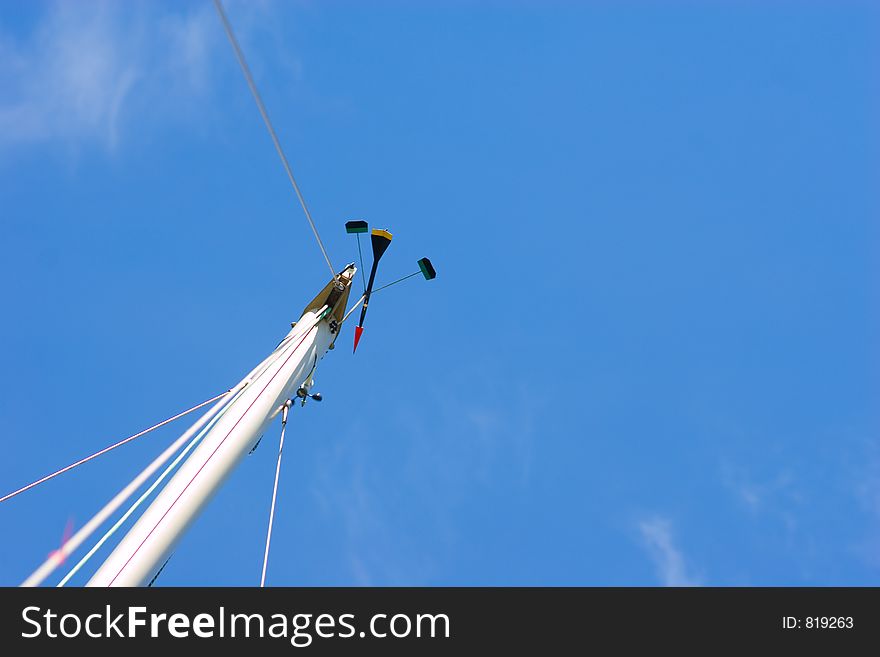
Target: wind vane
(380,241)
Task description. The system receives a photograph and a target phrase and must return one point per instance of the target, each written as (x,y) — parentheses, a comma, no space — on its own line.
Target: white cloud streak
(668,559)
(70,78)
(89,71)
(445,457)
(866,475)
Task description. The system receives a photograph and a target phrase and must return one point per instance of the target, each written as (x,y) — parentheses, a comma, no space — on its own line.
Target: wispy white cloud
(444,459)
(89,71)
(866,477)
(70,78)
(788,497)
(776,496)
(352,497)
(657,535)
(190,41)
(760,495)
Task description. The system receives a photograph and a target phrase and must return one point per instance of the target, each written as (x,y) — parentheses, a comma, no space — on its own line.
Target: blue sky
(648,356)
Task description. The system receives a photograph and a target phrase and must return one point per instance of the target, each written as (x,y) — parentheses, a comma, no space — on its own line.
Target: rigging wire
(202,426)
(289,350)
(58,557)
(201,434)
(110,448)
(256,94)
(213,416)
(286,408)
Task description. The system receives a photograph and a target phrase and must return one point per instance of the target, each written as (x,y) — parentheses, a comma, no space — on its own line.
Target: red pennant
(358,330)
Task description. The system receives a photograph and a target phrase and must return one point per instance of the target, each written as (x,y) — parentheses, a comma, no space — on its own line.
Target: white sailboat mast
(147,545)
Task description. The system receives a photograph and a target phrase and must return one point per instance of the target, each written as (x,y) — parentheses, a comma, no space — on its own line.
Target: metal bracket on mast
(304,395)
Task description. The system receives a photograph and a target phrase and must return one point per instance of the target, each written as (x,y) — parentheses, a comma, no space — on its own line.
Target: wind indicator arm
(426,269)
(380,240)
